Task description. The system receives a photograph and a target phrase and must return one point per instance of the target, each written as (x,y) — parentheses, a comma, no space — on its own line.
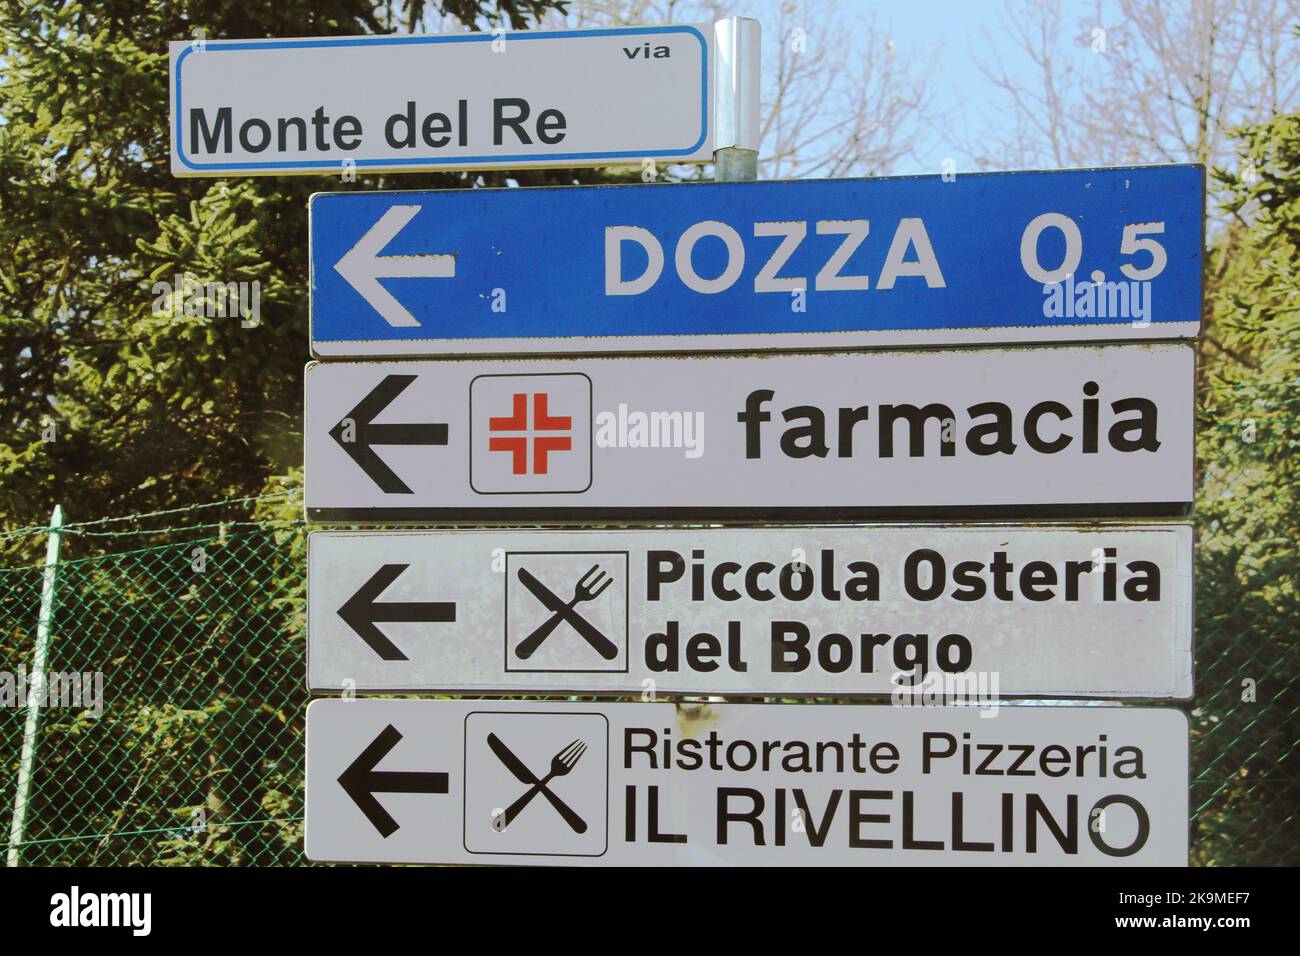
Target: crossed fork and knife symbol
(561,764)
(589,587)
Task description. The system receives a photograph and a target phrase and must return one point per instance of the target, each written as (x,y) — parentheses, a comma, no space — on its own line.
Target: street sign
(972,612)
(511,782)
(1091,431)
(983,258)
(499,99)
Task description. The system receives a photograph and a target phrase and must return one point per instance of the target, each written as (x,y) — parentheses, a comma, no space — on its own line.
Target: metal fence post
(36,688)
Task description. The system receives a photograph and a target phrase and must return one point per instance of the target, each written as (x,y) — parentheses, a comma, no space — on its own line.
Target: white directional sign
(959,612)
(455,101)
(1085,430)
(511,782)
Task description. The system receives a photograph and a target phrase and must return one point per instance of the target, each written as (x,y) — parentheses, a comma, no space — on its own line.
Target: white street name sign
(497,782)
(501,99)
(971,613)
(1095,431)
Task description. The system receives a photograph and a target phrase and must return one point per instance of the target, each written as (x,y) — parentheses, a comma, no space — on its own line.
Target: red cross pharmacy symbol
(522,433)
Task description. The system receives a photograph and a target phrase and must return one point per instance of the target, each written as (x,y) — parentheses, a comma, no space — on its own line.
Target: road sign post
(735,158)
(1014,292)
(509,782)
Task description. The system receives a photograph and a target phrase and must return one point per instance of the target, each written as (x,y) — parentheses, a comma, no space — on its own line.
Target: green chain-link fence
(197,756)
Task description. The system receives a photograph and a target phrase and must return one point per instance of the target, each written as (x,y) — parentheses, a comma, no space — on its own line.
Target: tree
(838,99)
(1142,81)
(113,403)
(1248,505)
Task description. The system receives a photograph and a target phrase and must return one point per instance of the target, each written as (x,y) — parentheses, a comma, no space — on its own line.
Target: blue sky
(958,27)
(967,30)
(980,30)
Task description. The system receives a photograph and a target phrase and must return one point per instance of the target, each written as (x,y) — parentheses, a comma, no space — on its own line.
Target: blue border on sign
(214,46)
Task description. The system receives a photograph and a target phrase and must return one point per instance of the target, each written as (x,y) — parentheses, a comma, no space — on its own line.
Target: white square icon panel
(530,434)
(536,783)
(566,611)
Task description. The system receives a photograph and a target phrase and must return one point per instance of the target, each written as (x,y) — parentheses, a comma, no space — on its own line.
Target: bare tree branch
(1141,81)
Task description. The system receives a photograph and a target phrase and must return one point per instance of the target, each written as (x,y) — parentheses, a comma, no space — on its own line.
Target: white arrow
(362,266)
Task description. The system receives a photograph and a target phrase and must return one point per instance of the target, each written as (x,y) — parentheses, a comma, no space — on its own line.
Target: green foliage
(197,755)
(151,409)
(1248,509)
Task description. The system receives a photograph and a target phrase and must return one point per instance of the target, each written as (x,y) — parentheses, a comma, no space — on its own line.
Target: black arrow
(365,434)
(362,612)
(361,781)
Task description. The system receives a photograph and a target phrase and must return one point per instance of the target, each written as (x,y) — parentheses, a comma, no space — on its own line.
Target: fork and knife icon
(561,764)
(589,587)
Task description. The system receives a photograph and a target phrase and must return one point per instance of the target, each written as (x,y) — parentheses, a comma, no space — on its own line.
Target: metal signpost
(1085,430)
(1036,373)
(1102,610)
(444,781)
(1067,255)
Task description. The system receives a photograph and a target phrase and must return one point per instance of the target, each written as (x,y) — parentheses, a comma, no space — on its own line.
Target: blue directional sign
(1067,255)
